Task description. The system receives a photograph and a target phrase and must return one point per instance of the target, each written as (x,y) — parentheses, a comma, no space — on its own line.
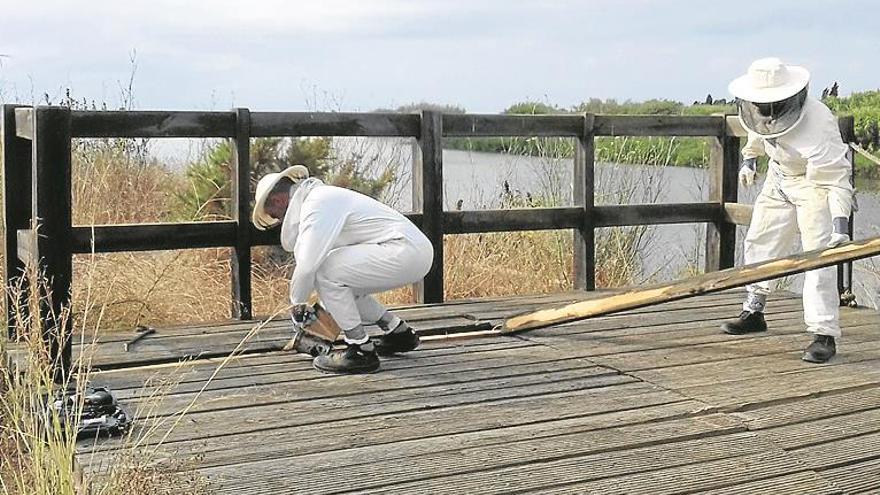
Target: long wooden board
(710,282)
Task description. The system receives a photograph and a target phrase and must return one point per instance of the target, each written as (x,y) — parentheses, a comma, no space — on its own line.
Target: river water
(475,180)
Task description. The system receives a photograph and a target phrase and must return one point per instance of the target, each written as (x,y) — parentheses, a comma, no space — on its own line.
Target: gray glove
(747,171)
(303,315)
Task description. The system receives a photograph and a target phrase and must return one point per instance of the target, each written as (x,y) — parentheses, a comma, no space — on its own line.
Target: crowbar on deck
(730,278)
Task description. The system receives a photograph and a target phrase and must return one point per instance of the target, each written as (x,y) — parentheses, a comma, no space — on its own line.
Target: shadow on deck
(650,401)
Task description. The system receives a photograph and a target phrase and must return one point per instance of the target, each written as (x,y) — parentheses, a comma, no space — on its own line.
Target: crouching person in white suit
(807,191)
(347,246)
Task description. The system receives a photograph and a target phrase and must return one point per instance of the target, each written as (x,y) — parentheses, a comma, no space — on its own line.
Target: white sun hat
(769,80)
(261,219)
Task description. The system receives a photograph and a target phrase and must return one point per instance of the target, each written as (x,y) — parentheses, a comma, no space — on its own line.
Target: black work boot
(821,350)
(353,359)
(401,339)
(748,322)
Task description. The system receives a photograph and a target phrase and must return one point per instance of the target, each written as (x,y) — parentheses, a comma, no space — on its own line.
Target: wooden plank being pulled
(710,282)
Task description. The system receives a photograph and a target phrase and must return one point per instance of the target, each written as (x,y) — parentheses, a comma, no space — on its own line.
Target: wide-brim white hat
(261,219)
(768,80)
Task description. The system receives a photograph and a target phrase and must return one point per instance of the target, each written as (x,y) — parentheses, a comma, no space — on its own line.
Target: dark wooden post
(584,265)
(52,214)
(845,270)
(724,160)
(16,167)
(242,305)
(427,179)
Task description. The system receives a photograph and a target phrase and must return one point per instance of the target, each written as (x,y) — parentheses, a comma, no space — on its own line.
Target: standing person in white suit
(347,246)
(808,190)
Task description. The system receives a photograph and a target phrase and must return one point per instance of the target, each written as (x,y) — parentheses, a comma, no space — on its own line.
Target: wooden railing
(37,171)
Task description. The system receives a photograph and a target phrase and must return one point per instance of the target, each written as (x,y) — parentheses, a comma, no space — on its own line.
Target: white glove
(748,172)
(840,231)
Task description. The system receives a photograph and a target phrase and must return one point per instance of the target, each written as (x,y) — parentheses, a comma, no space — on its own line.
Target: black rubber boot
(821,350)
(354,359)
(397,341)
(748,322)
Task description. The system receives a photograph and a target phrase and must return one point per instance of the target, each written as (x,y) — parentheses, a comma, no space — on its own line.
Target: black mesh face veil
(772,119)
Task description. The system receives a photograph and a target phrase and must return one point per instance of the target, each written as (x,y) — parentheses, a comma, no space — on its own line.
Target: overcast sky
(360,55)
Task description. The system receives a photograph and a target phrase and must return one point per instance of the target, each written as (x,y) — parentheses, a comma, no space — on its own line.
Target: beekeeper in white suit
(807,191)
(347,246)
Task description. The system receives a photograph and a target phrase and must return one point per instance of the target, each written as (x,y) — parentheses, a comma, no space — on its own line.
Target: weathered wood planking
(569,419)
(709,282)
(419,431)
(152,124)
(476,461)
(153,237)
(333,124)
(737,469)
(655,214)
(514,414)
(567,125)
(658,125)
(487,125)
(859,477)
(468,222)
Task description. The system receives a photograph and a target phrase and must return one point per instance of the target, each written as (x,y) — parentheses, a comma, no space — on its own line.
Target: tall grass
(40,452)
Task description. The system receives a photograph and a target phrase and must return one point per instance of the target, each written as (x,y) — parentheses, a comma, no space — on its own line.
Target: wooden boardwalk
(654,401)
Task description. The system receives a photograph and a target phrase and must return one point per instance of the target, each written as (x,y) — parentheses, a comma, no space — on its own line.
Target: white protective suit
(808,184)
(348,246)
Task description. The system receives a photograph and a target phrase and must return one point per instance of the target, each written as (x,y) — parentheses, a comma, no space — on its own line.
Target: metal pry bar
(143,332)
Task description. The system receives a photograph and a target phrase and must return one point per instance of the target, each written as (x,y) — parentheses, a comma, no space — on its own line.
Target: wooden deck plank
(782,358)
(818,432)
(787,386)
(423,424)
(805,482)
(478,460)
(648,469)
(304,372)
(860,477)
(192,375)
(840,452)
(811,409)
(411,390)
(781,339)
(694,478)
(271,414)
(541,426)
